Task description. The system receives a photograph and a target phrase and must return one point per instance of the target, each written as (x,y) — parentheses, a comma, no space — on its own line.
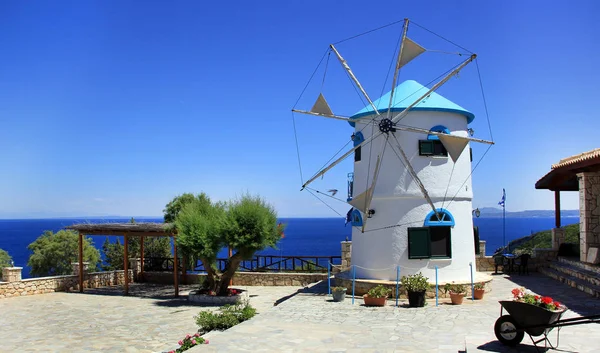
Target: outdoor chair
(498,261)
(522,263)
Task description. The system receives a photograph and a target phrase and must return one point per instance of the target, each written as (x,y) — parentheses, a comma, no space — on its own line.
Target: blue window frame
(447,220)
(357,138)
(437,128)
(356,218)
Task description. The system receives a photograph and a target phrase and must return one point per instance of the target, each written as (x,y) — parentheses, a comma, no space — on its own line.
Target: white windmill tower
(412,206)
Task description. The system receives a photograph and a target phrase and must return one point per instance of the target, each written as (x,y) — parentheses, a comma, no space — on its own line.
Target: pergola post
(80,263)
(175,274)
(141,257)
(557,208)
(184,269)
(126,263)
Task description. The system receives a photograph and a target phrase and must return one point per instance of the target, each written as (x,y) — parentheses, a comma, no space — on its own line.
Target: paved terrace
(151,320)
(310,322)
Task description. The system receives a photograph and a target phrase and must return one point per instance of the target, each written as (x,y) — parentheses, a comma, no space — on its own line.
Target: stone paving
(103,320)
(310,322)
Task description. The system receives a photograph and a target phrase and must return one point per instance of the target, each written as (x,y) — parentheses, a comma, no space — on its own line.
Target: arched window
(445,219)
(356,218)
(357,138)
(437,128)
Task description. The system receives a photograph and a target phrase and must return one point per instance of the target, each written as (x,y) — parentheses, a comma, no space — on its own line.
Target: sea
(302,236)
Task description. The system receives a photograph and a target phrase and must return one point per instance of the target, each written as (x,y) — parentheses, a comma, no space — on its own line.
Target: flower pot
(339,296)
(478,294)
(369,301)
(416,299)
(457,298)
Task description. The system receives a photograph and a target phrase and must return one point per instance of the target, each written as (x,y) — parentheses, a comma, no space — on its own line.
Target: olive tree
(246,225)
(53,253)
(5,261)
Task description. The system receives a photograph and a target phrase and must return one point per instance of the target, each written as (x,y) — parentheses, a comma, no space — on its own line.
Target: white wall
(399,203)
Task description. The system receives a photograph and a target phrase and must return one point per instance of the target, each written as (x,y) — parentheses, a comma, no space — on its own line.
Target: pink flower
(193,341)
(180,343)
(197,335)
(188,336)
(206,342)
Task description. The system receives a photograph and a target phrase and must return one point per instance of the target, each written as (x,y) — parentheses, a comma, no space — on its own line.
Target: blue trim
(358,138)
(356,218)
(470,117)
(437,128)
(447,219)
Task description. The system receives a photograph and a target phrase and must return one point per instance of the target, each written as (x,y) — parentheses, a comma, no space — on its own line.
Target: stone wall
(61,283)
(244,278)
(346,255)
(589,212)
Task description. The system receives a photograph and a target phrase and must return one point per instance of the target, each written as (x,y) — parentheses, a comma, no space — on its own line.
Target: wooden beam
(230,255)
(126,264)
(175,274)
(141,274)
(131,234)
(557,208)
(80,263)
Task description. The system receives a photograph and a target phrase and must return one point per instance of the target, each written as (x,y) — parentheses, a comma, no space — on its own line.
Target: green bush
(455,288)
(415,283)
(5,260)
(379,292)
(227,316)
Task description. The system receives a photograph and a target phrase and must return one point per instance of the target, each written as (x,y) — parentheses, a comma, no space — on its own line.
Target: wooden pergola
(127,230)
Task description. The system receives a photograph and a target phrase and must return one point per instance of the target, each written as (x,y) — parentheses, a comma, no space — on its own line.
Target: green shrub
(227,316)
(338,289)
(379,292)
(415,283)
(479,285)
(455,288)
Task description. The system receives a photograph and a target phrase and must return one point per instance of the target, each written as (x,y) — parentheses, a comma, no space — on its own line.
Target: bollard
(397,284)
(472,285)
(436,286)
(353,279)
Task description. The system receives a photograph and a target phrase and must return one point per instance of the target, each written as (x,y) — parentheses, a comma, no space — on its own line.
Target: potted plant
(339,293)
(457,292)
(416,286)
(376,296)
(479,291)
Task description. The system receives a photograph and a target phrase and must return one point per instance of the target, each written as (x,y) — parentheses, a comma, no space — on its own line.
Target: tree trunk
(209,283)
(232,266)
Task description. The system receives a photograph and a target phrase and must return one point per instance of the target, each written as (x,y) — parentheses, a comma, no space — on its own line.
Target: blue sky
(115,107)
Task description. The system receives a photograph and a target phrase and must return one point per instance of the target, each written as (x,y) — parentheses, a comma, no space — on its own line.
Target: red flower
(557,304)
(547,300)
(537,297)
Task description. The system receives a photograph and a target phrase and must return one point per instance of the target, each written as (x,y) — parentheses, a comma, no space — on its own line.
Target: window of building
(433,240)
(357,138)
(433,146)
(356,218)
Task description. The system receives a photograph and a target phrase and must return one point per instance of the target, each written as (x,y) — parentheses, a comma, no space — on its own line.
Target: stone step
(582,265)
(571,281)
(575,271)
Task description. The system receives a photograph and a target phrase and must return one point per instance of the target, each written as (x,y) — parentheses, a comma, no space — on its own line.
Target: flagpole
(504,218)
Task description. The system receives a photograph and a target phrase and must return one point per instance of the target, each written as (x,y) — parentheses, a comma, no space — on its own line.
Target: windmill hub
(386,125)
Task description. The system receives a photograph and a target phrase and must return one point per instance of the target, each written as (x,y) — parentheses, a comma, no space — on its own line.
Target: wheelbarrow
(535,321)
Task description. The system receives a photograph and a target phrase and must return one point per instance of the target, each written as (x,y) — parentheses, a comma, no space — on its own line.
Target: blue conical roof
(405,94)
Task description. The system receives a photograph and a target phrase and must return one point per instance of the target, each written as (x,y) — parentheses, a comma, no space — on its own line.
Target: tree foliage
(543,239)
(246,225)
(53,253)
(174,206)
(114,252)
(5,260)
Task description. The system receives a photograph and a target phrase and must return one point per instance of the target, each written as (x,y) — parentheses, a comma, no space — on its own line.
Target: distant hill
(492,212)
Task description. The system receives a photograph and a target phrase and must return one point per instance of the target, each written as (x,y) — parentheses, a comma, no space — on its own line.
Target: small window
(476,236)
(356,218)
(357,139)
(432,148)
(471,153)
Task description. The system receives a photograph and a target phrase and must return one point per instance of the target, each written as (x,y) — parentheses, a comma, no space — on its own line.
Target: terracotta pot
(374,301)
(478,294)
(456,298)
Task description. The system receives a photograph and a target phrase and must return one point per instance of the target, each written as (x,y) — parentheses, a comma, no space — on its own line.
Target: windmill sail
(360,201)
(410,50)
(321,106)
(454,145)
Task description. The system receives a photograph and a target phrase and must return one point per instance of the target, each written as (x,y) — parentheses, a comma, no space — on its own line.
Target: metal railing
(259,263)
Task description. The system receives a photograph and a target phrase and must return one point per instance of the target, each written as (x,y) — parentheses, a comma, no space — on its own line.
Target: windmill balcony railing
(259,263)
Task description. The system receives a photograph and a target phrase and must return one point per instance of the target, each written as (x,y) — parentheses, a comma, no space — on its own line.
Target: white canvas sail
(455,145)
(410,50)
(321,106)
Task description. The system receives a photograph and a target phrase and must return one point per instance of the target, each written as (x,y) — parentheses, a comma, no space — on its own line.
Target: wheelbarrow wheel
(507,331)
